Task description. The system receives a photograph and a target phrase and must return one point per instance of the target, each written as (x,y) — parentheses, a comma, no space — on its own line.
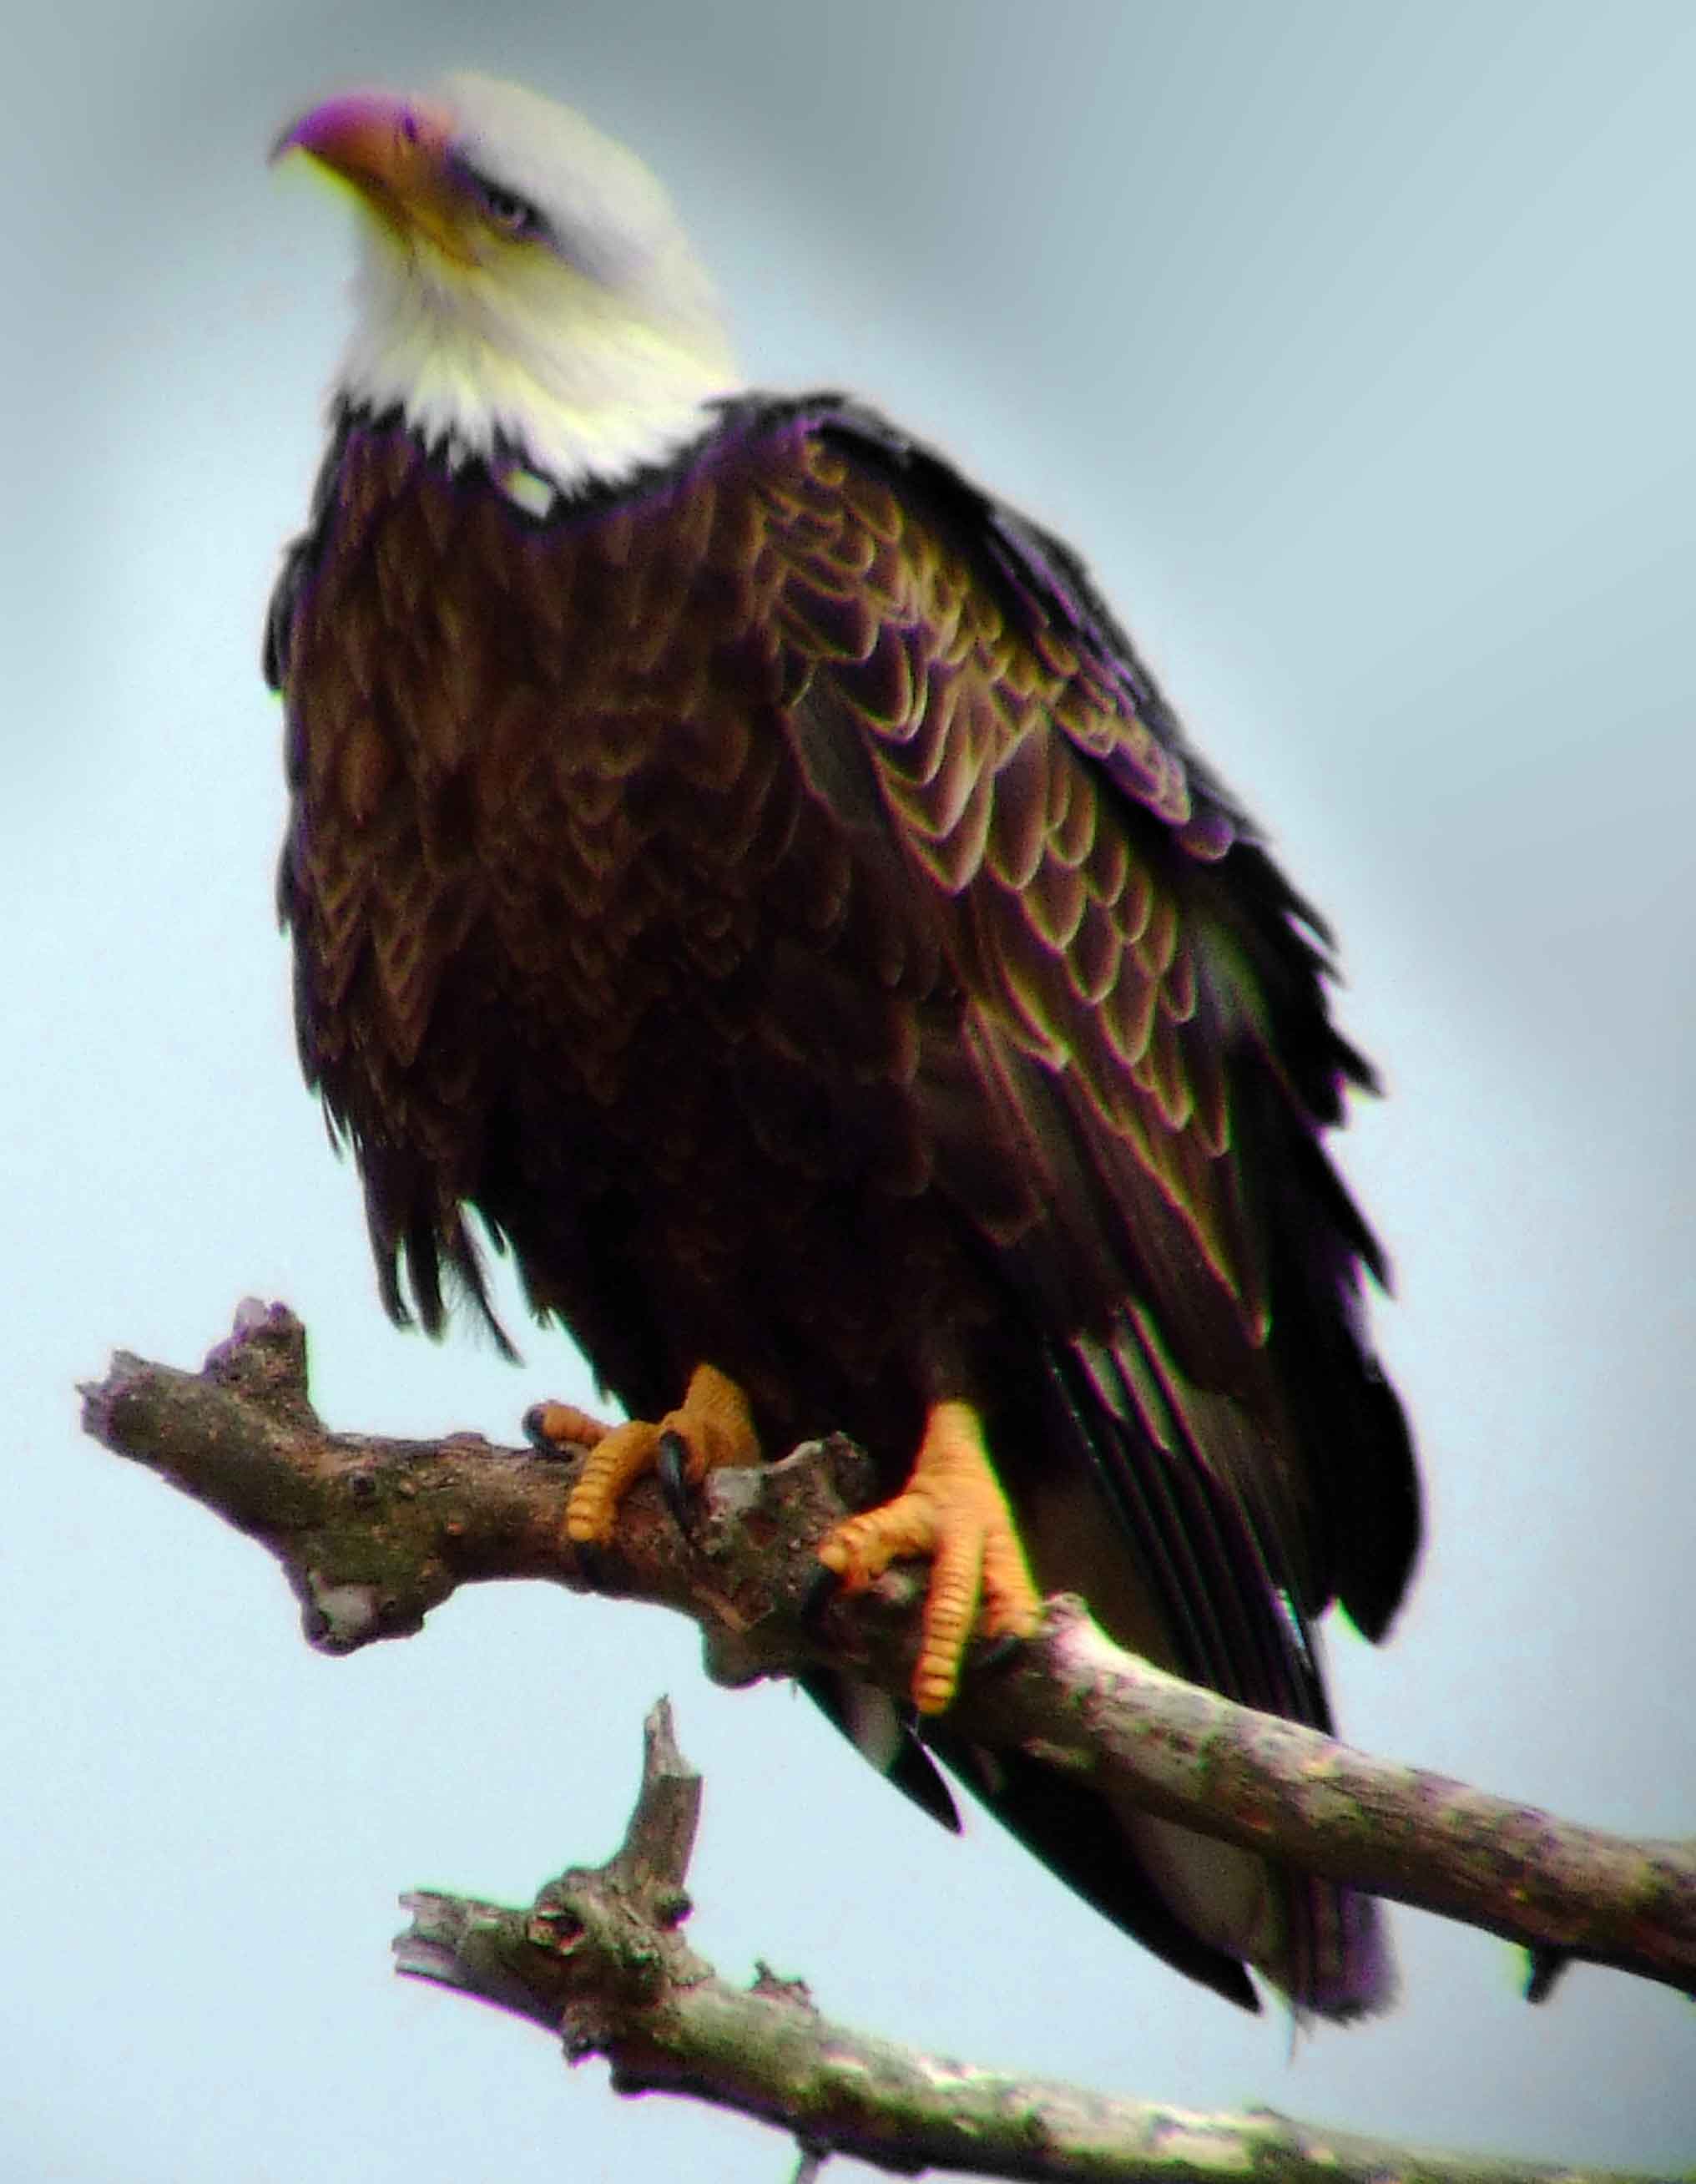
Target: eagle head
(523,282)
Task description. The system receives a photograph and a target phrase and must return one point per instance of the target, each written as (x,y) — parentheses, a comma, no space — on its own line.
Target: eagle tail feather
(1237,1624)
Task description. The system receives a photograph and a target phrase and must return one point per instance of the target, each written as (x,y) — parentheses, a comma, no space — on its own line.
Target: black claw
(671,1465)
(1000,1652)
(822,1588)
(1544,1966)
(542,1443)
(593,1562)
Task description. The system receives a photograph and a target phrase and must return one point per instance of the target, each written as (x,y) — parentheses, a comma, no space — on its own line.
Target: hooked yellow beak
(396,153)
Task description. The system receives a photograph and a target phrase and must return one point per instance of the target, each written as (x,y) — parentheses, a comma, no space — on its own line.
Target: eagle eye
(507,210)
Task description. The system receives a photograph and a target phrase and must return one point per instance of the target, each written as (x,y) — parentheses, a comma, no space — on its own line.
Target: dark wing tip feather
(1385,1516)
(1352,1427)
(883,1733)
(458,1278)
(1076,1836)
(424,1270)
(1224,1592)
(1346,1969)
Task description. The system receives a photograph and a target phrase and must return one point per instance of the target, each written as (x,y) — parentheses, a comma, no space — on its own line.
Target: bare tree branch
(598,1959)
(373,1533)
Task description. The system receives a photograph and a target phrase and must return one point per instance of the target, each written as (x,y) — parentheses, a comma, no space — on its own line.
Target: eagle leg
(952,1509)
(714,1425)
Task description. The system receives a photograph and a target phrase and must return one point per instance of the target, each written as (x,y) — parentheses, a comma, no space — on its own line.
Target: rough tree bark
(373,1533)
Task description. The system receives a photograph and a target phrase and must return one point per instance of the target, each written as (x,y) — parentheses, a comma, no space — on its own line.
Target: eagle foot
(712,1428)
(952,1509)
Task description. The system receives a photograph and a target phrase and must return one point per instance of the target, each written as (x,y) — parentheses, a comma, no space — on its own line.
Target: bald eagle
(750,868)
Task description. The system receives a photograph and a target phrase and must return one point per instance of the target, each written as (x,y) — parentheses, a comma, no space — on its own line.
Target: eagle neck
(511,468)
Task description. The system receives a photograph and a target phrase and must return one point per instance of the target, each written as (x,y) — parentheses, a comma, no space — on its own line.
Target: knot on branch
(600,1945)
(263,1359)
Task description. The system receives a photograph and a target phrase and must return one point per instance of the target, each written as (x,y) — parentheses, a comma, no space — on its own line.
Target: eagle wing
(1134,1111)
(1129,1107)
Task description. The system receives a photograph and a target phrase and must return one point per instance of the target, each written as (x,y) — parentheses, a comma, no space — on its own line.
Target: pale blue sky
(1353,345)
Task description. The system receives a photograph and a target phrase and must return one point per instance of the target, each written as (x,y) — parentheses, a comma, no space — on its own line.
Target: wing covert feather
(1041,823)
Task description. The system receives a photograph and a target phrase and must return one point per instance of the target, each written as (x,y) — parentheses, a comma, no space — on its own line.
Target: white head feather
(593,343)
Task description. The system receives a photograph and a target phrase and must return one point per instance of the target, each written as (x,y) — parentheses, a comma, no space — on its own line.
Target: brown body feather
(778,901)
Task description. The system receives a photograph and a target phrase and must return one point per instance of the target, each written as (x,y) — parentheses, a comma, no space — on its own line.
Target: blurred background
(1352,345)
